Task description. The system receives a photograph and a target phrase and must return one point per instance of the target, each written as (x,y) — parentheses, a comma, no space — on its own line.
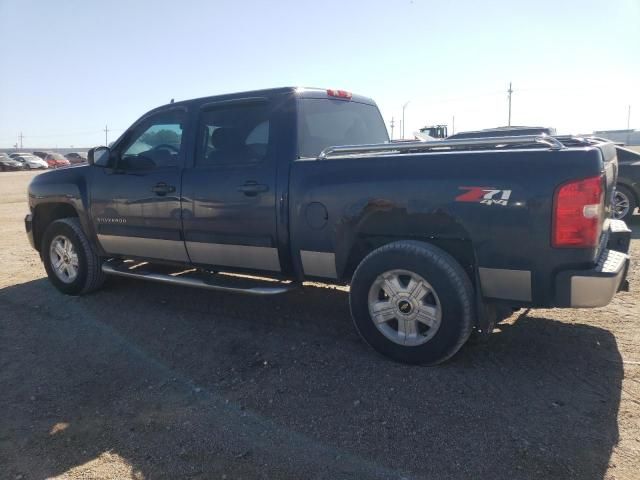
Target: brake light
(577,212)
(339,94)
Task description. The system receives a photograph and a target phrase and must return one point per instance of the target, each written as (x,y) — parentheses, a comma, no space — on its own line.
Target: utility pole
(453,125)
(392,125)
(403,123)
(510,91)
(106,136)
(20,137)
(629,117)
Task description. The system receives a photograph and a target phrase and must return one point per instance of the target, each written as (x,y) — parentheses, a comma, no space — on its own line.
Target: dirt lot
(148,381)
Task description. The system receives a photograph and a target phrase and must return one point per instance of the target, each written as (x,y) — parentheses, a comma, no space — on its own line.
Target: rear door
(229,206)
(135,206)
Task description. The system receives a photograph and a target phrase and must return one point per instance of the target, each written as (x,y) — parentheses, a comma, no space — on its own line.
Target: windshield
(326,123)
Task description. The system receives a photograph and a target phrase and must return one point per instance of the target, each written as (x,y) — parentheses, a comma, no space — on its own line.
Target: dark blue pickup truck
(436,239)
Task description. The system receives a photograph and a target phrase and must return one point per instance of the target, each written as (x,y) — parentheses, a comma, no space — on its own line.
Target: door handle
(162,188)
(251,189)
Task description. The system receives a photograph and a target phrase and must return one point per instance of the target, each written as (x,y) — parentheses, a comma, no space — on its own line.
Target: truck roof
(303,92)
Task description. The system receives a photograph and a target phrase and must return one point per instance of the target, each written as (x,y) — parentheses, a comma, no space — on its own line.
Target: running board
(190,281)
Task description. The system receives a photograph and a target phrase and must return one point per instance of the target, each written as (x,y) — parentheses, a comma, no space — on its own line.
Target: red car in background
(55,160)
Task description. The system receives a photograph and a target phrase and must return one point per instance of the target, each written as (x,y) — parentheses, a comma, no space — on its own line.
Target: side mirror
(99,156)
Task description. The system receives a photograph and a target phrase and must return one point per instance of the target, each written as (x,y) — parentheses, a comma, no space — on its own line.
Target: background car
(8,163)
(42,155)
(627,196)
(55,160)
(76,157)
(30,161)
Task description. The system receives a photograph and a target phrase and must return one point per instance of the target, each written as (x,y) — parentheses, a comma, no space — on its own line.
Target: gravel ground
(146,381)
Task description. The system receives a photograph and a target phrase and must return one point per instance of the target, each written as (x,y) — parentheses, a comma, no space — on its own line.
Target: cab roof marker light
(339,94)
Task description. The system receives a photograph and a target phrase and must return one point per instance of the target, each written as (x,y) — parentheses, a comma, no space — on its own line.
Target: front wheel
(412,302)
(71,264)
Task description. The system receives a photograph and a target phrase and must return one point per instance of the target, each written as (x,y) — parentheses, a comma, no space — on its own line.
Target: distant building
(628,137)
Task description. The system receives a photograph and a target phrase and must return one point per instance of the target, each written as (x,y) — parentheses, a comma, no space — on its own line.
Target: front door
(136,204)
(229,211)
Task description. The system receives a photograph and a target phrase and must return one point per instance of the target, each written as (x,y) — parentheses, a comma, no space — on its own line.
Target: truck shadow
(186,383)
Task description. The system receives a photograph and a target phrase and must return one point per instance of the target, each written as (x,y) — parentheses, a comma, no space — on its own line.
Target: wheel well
(45,214)
(461,250)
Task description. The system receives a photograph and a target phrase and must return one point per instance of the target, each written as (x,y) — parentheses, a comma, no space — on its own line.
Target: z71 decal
(484,195)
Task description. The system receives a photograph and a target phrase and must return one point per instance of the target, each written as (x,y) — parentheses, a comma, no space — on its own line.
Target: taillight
(339,94)
(577,210)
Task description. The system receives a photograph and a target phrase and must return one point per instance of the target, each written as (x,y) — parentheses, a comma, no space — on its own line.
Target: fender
(66,187)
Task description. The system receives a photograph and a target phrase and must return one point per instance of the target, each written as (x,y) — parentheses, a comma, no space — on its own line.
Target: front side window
(233,135)
(155,143)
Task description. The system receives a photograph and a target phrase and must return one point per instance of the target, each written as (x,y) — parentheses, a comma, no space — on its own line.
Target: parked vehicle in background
(7,163)
(76,157)
(40,154)
(436,239)
(30,161)
(55,160)
(504,132)
(627,196)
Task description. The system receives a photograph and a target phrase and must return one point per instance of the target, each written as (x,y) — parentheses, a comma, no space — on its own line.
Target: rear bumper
(28,225)
(597,286)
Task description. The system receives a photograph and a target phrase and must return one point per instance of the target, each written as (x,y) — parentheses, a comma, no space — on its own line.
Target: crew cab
(436,239)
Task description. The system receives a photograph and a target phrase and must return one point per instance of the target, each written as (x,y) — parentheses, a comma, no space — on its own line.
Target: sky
(71,67)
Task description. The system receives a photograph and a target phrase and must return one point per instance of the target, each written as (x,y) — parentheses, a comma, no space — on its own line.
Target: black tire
(633,204)
(90,276)
(443,273)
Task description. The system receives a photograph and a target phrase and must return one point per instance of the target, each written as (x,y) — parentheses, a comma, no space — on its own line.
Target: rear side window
(233,135)
(326,123)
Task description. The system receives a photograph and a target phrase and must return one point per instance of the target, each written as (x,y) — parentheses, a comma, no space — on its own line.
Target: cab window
(233,135)
(155,143)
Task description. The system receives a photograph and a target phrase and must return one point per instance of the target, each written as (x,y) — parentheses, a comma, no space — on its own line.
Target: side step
(257,288)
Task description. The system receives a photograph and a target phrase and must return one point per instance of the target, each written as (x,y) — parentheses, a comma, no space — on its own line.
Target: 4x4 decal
(485,195)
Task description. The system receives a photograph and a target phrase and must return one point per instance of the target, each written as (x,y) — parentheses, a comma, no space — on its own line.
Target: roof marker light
(339,94)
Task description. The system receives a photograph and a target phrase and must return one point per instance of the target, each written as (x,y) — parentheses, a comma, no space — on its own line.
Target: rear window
(326,123)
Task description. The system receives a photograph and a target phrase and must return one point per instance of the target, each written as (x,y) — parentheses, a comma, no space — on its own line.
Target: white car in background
(29,161)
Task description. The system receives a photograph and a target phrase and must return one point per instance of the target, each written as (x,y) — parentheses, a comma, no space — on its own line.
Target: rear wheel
(624,203)
(71,264)
(412,302)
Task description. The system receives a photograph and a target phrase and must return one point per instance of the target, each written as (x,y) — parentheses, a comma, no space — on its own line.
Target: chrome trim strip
(227,255)
(506,284)
(318,264)
(144,247)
